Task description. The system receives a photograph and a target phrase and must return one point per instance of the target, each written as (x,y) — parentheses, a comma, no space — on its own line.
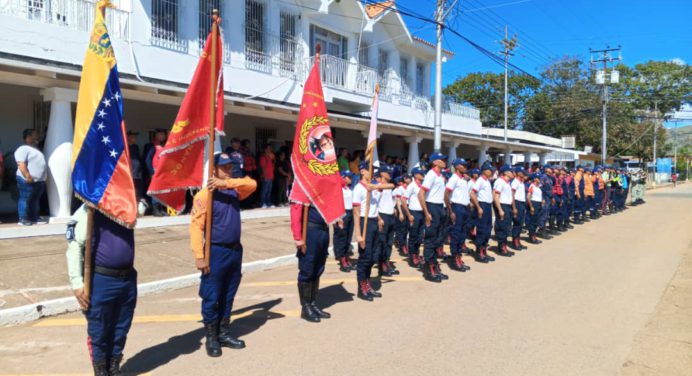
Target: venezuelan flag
(101,174)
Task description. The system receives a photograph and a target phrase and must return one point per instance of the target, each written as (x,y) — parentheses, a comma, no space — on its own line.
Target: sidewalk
(33,268)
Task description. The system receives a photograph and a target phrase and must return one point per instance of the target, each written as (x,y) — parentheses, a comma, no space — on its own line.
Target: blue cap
(534,176)
(547,166)
(384,168)
(487,166)
(579,166)
(519,169)
(505,168)
(364,165)
(417,170)
(460,161)
(475,171)
(346,174)
(222,159)
(437,156)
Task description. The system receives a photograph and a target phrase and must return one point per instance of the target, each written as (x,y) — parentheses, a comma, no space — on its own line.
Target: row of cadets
(457,201)
(504,202)
(518,207)
(366,235)
(343,229)
(431,197)
(482,200)
(470,230)
(416,219)
(386,221)
(534,198)
(401,228)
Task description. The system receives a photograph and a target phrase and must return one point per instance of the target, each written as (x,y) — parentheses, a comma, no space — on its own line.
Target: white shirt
(434,187)
(399,191)
(459,188)
(519,189)
(536,192)
(34,160)
(348,197)
(411,195)
(502,187)
(483,190)
(386,204)
(360,195)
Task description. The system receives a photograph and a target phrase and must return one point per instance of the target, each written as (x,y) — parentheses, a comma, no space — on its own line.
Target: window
(164,24)
(403,72)
(288,46)
(382,63)
(420,78)
(332,44)
(364,53)
(35,9)
(41,116)
(205,9)
(255,55)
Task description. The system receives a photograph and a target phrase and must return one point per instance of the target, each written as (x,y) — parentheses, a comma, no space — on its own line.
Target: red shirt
(266,162)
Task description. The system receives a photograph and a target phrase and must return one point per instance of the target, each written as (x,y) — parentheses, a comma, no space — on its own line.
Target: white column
(508,156)
(527,157)
(58,150)
(543,158)
(482,154)
(413,154)
(452,152)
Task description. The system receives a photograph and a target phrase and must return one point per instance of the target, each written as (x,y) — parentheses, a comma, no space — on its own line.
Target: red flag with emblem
(181,163)
(317,179)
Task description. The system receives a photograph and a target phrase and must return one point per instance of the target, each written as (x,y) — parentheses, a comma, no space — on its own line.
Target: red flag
(317,179)
(181,164)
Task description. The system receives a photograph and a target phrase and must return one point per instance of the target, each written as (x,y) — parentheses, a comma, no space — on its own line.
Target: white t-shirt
(411,195)
(536,192)
(502,187)
(348,197)
(398,191)
(519,189)
(360,195)
(386,204)
(459,188)
(483,190)
(434,186)
(34,160)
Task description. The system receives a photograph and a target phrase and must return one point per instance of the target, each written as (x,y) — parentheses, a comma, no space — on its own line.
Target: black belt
(235,245)
(317,226)
(116,273)
(387,215)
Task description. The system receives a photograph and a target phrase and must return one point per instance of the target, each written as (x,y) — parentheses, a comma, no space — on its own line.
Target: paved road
(589,302)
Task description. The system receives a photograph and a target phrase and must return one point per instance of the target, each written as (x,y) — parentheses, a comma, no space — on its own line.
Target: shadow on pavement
(332,295)
(156,356)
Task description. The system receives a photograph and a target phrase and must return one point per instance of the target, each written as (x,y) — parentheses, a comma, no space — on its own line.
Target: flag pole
(212,130)
(88,252)
(318,49)
(372,156)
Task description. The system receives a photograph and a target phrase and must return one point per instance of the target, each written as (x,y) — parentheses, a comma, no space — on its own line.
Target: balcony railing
(72,14)
(274,54)
(452,106)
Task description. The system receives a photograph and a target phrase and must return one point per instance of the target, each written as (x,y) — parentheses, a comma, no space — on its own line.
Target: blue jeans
(29,198)
(266,192)
(109,316)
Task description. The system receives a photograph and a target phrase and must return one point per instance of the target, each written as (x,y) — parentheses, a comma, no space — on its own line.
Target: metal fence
(165,18)
(72,14)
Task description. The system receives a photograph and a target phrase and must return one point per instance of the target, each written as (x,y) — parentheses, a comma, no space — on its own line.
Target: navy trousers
(385,237)
(217,289)
(534,218)
(368,255)
(109,316)
(401,231)
(545,213)
(555,213)
(484,225)
(311,264)
(342,237)
(432,232)
(443,229)
(518,220)
(503,226)
(472,220)
(416,232)
(459,229)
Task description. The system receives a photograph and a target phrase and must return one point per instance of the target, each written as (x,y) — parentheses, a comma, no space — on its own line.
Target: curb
(32,312)
(36,311)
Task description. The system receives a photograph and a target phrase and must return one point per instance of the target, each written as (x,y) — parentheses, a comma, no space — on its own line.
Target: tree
(485,91)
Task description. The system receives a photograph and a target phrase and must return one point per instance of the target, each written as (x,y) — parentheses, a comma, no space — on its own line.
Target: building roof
(429,44)
(375,9)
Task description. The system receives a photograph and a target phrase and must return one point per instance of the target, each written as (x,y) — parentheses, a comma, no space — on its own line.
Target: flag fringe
(312,203)
(109,216)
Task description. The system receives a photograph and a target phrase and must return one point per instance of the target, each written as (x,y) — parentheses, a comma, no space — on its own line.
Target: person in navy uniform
(401,227)
(470,229)
(431,197)
(519,207)
(482,200)
(415,217)
(547,189)
(220,277)
(503,202)
(343,229)
(457,201)
(110,308)
(386,221)
(534,198)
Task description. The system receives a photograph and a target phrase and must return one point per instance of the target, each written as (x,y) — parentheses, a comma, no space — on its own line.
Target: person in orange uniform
(588,192)
(221,276)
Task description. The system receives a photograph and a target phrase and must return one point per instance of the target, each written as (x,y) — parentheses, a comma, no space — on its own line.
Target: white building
(268,46)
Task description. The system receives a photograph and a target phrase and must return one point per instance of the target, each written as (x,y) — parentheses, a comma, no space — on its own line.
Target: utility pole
(509,45)
(655,131)
(605,59)
(440,14)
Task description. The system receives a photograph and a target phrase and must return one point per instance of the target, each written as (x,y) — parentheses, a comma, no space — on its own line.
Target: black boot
(100,369)
(364,291)
(225,338)
(212,344)
(430,274)
(114,366)
(439,272)
(305,294)
(315,290)
(372,291)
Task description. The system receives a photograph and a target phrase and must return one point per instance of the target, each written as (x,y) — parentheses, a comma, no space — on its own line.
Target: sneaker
(24,223)
(264,206)
(272,207)
(42,221)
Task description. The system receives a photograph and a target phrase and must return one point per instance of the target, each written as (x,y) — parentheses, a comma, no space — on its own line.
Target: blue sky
(546,29)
